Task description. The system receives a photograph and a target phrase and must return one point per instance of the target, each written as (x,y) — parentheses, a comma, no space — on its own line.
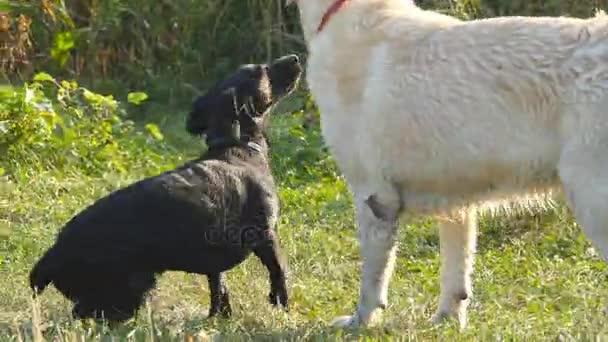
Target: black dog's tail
(43,272)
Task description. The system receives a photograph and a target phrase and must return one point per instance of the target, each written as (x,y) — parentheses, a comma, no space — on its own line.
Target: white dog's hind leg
(377,219)
(457,244)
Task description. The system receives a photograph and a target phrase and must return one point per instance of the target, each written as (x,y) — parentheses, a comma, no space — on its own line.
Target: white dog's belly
(454,176)
(426,194)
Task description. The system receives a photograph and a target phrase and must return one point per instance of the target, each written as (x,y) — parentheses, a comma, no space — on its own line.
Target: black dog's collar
(254,146)
(228,142)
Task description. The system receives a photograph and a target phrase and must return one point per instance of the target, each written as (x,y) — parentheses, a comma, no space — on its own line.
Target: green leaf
(137,98)
(62,45)
(50,118)
(69,85)
(64,41)
(92,97)
(2,171)
(154,131)
(43,77)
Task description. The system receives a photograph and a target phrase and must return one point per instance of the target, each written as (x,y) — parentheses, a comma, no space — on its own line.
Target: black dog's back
(141,218)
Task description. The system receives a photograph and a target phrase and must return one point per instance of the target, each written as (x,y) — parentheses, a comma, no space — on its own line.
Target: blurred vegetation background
(170,50)
(185,43)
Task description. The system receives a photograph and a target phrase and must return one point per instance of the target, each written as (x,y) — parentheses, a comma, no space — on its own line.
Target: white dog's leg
(583,170)
(457,244)
(377,217)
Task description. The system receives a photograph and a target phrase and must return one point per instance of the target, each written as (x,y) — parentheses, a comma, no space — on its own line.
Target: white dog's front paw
(440,317)
(347,322)
(452,308)
(361,318)
(459,315)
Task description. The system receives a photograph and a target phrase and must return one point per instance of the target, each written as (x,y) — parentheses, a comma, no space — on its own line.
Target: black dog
(205,217)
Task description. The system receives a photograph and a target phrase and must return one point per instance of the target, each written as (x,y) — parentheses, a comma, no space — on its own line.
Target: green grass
(536,277)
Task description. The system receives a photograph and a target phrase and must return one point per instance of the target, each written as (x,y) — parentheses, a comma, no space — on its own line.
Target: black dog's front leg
(271,256)
(220,300)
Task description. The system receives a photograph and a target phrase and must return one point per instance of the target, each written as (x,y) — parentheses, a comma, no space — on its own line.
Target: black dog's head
(238,105)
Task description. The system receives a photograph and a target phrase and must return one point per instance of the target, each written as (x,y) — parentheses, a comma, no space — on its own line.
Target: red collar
(333,9)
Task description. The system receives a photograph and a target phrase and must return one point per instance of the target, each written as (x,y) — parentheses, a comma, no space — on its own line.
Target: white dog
(427,114)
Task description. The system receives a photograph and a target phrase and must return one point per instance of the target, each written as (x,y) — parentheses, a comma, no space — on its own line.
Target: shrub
(189,43)
(51,123)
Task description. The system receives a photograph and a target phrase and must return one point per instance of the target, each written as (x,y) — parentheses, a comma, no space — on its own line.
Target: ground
(536,276)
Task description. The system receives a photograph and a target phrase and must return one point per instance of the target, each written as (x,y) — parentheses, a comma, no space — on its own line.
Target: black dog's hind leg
(271,256)
(114,297)
(220,300)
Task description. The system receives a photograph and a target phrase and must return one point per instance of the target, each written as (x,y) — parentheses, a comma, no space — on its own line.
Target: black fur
(205,217)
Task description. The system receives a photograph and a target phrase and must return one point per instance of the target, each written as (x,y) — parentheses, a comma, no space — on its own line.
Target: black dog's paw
(279,298)
(80,311)
(221,307)
(225,312)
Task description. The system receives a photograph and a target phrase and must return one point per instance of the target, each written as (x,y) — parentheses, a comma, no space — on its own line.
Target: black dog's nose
(288,59)
(293,58)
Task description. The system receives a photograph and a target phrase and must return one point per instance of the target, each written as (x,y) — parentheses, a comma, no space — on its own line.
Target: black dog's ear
(197,122)
(211,109)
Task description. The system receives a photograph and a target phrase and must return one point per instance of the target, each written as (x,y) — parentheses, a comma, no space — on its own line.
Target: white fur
(436,116)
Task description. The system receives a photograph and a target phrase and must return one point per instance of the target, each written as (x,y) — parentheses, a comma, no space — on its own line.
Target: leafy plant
(69,125)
